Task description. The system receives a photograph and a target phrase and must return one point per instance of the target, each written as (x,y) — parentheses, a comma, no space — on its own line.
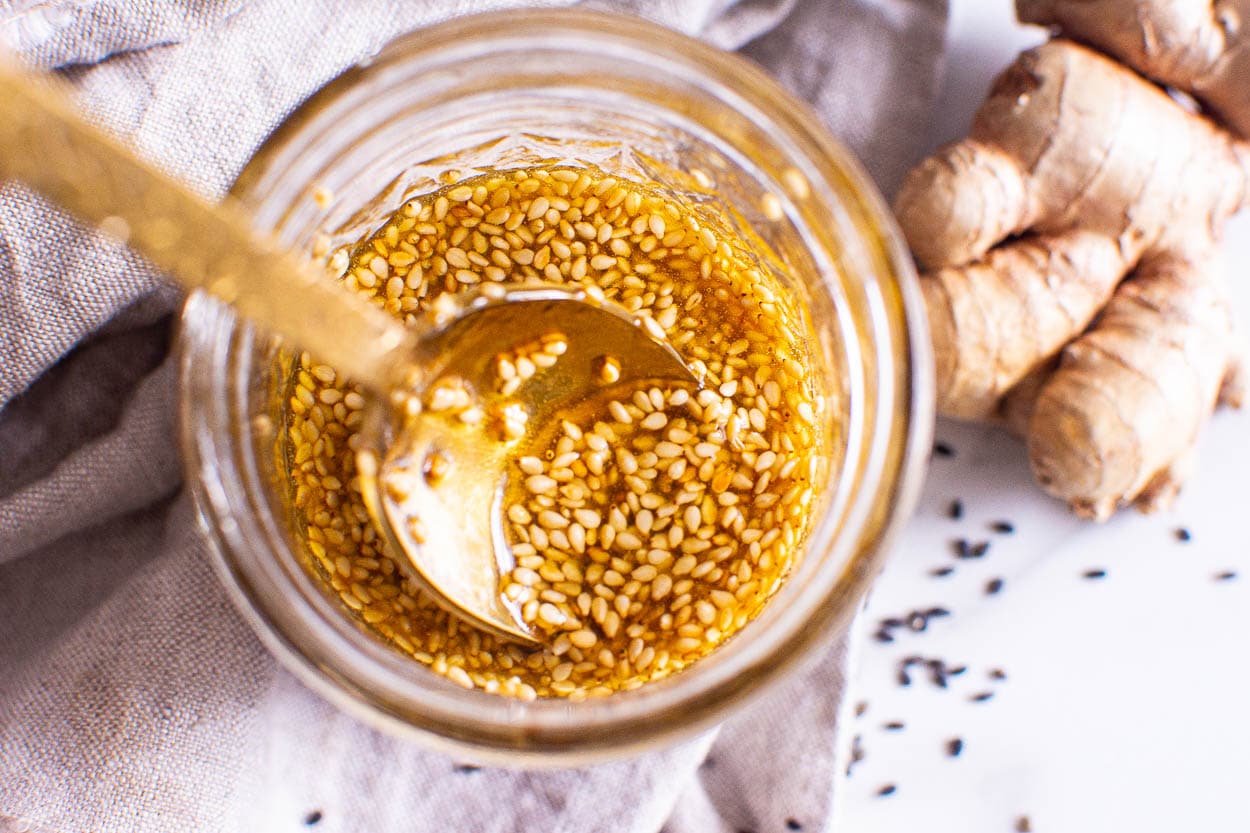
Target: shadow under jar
(571,90)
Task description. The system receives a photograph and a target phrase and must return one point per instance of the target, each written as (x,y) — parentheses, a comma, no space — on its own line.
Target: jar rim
(211,340)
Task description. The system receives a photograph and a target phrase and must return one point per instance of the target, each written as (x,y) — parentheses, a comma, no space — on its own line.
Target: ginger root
(1070,245)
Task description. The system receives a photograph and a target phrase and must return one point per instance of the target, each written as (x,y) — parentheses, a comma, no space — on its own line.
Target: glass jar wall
(640,102)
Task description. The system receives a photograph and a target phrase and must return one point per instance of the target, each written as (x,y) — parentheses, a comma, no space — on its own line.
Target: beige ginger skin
(1070,245)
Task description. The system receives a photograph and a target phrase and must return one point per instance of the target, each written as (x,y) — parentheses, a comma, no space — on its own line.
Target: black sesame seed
(1183,534)
(883,636)
(904,679)
(942,449)
(939,676)
(937,613)
(888,789)
(1227,575)
(465,769)
(956,671)
(793,824)
(956,510)
(993,586)
(861,707)
(892,622)
(941,572)
(966,549)
(857,753)
(313,818)
(982,697)
(998,674)
(954,746)
(1023,825)
(893,725)
(914,659)
(1003,527)
(1096,573)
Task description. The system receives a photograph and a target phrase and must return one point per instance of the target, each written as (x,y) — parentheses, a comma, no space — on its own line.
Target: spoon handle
(44,143)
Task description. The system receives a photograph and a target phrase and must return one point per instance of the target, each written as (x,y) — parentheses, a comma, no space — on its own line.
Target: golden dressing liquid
(649,523)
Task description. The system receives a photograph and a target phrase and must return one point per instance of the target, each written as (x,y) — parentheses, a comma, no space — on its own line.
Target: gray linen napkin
(132,696)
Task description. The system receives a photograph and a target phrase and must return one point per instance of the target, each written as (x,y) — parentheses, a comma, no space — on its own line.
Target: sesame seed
(540,484)
(583,638)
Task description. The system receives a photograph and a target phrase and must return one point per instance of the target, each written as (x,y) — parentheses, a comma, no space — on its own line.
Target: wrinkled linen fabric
(133,698)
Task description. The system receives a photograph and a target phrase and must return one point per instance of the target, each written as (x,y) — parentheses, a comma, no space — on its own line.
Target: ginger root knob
(1070,239)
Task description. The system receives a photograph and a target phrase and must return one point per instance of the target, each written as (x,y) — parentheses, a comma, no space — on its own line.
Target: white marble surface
(1126,701)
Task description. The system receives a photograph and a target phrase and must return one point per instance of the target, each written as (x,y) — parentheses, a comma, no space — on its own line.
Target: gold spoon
(455,548)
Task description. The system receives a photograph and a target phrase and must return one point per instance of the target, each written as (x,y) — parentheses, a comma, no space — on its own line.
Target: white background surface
(1127,703)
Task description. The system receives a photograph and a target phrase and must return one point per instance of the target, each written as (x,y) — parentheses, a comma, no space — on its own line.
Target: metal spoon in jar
(432,483)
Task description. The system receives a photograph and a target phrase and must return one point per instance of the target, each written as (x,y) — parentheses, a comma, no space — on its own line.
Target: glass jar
(505,90)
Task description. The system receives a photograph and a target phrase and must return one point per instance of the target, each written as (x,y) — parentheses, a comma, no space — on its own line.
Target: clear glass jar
(505,90)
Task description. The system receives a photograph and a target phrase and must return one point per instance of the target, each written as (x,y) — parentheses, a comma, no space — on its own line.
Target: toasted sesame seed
(583,638)
(655,421)
(540,484)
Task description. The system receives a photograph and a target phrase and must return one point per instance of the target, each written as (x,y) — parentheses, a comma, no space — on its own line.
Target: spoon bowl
(499,369)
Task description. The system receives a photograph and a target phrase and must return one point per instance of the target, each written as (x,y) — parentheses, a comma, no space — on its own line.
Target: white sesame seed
(619,413)
(540,484)
(583,638)
(655,421)
(552,520)
(551,615)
